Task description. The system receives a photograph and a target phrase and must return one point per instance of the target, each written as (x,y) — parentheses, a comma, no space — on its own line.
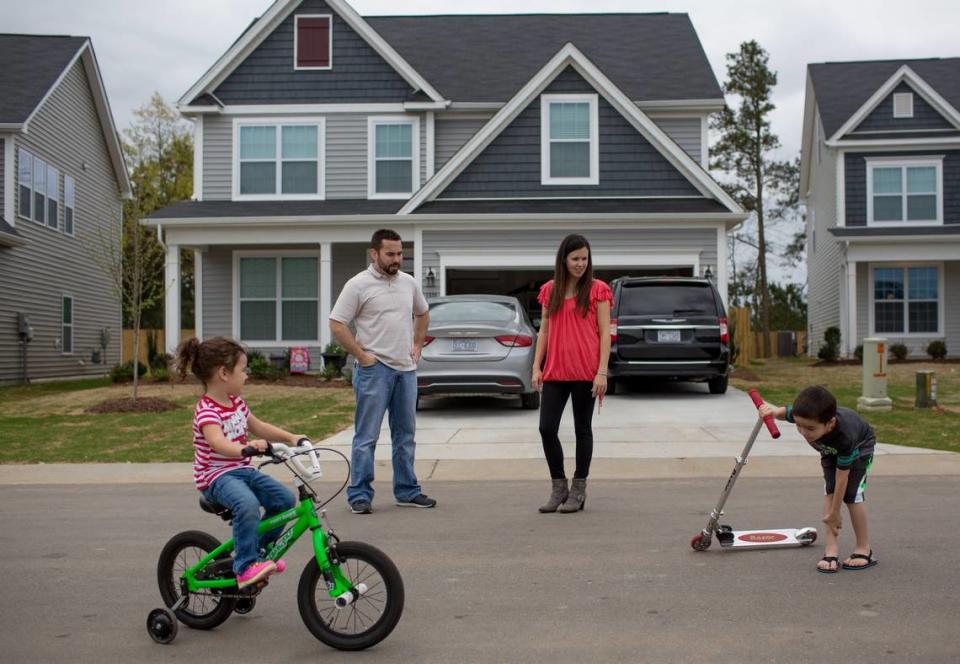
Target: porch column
(723,277)
(326,292)
(172,299)
(850,343)
(198,293)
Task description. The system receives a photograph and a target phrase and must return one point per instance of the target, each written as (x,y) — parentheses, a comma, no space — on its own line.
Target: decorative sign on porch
(299,360)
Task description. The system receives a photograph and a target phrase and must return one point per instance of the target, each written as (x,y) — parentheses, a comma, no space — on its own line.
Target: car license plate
(668,336)
(465,345)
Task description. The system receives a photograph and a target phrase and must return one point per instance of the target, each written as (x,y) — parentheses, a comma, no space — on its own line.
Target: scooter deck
(765,539)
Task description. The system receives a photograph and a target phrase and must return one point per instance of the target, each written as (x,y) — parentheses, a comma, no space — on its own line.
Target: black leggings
(552,402)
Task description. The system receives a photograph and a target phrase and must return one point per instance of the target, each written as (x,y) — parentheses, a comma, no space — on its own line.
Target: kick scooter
(749,539)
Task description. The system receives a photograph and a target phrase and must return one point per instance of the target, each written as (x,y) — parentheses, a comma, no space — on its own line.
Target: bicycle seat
(216,508)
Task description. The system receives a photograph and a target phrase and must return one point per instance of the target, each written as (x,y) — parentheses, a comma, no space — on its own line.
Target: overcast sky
(143,46)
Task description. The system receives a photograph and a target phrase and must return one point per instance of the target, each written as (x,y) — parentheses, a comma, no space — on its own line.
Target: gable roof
(502,52)
(571,56)
(844,88)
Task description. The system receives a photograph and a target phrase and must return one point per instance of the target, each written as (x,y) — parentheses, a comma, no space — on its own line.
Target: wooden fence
(159,339)
(749,344)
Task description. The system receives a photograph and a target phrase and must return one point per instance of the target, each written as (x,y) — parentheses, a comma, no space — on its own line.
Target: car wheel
(417,407)
(718,385)
(530,401)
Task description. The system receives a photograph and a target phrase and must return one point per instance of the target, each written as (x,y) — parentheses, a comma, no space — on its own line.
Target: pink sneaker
(255,573)
(281,566)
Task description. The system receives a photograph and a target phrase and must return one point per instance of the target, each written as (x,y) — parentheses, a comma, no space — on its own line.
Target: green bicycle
(350,593)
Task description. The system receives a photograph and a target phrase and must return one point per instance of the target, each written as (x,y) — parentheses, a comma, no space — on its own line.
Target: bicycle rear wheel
(206,609)
(370,618)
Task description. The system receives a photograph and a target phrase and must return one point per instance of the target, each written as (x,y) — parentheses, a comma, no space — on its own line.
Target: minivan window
(662,299)
(486,312)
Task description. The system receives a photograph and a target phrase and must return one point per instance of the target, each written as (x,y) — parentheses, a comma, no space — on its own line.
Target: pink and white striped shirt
(207,464)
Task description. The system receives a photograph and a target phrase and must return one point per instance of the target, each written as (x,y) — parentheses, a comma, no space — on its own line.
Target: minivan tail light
(520,340)
(724,331)
(426,341)
(613,330)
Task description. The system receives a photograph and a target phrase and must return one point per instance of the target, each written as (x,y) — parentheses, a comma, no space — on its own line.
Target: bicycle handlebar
(768,420)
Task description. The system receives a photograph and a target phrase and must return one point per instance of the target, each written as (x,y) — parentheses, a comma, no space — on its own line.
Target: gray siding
(65,132)
(924,115)
(685,132)
(217,158)
(856,183)
(917,345)
(359,74)
(347,259)
(3,180)
(510,166)
(451,135)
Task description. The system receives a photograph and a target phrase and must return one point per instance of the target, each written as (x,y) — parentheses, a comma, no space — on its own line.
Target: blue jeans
(379,388)
(244,491)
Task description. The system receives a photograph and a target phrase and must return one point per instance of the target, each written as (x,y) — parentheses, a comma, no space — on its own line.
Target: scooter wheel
(807,536)
(162,625)
(699,542)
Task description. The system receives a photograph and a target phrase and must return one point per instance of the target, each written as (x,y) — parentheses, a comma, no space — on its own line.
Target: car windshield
(660,299)
(486,312)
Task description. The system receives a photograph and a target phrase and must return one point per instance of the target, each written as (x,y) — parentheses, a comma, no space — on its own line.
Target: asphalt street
(488,579)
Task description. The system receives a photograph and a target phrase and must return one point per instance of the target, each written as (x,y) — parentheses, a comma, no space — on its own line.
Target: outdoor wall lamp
(430,277)
(708,274)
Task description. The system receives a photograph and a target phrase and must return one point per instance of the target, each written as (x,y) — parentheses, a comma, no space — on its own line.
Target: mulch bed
(854,362)
(301,380)
(128,405)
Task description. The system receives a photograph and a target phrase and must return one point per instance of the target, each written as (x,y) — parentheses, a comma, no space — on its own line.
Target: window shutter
(313,42)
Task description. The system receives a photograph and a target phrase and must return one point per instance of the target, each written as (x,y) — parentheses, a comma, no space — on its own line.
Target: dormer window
(312,41)
(903,105)
(569,140)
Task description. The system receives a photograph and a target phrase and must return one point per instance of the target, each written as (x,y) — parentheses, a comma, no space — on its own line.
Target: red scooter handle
(768,420)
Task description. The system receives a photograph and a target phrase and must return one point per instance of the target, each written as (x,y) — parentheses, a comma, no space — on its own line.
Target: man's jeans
(244,490)
(378,389)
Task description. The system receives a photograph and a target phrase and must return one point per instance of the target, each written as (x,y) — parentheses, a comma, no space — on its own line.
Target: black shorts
(857,482)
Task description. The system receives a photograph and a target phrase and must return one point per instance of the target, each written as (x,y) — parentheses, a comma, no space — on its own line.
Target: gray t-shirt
(382,308)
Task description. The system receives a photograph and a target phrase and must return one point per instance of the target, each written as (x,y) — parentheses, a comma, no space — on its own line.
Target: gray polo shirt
(382,309)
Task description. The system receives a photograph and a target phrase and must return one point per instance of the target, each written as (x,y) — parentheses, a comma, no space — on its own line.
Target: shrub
(121,373)
(347,373)
(937,349)
(830,350)
(260,367)
(333,348)
(832,335)
(160,374)
(330,372)
(899,351)
(858,352)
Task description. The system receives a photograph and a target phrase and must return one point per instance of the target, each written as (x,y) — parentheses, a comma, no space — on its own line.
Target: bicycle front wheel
(370,618)
(206,609)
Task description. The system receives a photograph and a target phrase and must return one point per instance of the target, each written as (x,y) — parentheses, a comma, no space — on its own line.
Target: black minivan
(668,327)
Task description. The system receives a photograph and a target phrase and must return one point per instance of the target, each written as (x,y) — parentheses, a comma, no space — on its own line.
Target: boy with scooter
(846,443)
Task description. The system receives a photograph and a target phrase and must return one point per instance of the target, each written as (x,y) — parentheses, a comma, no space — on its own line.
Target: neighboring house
(62,177)
(483,140)
(880,175)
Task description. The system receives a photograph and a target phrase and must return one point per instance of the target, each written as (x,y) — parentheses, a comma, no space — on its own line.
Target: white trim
(73,320)
(546,140)
(278,316)
(905,73)
(10,184)
(372,123)
(319,122)
(198,293)
(171,293)
(198,158)
(296,35)
(941,300)
(723,272)
(565,198)
(546,259)
(56,84)
(866,132)
(905,143)
(326,291)
(268,22)
(431,139)
(418,255)
(917,248)
(906,98)
(872,163)
(569,55)
(705,142)
(851,287)
(73,207)
(295,109)
(841,189)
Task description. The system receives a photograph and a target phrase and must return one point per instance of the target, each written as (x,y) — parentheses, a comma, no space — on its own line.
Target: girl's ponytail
(187,356)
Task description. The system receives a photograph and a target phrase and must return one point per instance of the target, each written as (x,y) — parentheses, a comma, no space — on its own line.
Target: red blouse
(573,341)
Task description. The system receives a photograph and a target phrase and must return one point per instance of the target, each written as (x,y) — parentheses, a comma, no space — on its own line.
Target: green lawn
(779,381)
(47,422)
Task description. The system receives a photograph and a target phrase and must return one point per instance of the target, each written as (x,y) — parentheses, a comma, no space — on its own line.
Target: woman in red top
(575,338)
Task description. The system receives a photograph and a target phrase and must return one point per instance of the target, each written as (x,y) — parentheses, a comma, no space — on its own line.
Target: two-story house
(880,175)
(482,140)
(62,179)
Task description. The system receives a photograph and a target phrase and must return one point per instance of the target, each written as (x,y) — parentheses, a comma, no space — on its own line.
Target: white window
(66,328)
(69,194)
(279,160)
(279,298)
(25,181)
(903,105)
(904,191)
(907,299)
(569,140)
(393,157)
(39,190)
(53,197)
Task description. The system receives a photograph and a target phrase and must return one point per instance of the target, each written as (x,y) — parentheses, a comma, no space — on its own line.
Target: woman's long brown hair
(562,277)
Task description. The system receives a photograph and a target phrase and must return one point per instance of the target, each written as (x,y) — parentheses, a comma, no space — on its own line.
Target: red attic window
(312,42)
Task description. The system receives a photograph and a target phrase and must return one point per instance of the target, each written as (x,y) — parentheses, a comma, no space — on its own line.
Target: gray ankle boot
(558,494)
(577,498)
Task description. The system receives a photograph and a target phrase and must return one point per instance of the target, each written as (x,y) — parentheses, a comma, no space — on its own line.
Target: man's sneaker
(255,573)
(420,501)
(361,507)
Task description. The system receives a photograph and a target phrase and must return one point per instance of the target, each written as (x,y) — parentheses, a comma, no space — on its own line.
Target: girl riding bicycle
(221,424)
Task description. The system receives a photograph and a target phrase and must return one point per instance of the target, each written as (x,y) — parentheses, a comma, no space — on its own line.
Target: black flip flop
(828,559)
(859,556)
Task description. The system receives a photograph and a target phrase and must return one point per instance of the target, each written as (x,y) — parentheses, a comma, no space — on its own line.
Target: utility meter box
(874,394)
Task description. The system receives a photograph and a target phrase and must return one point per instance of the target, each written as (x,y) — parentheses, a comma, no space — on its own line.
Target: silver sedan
(478,345)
